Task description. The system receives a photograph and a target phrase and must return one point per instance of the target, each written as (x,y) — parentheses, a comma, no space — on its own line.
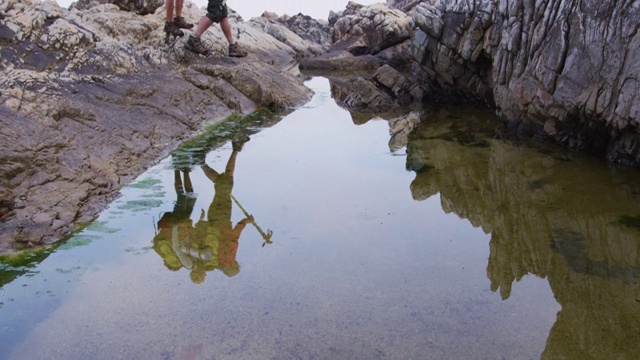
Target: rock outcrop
(90,98)
(558,70)
(370,48)
(141,7)
(308,28)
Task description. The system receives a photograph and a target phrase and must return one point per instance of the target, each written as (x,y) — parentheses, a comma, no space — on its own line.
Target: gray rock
(141,7)
(373,43)
(308,28)
(553,69)
(404,5)
(370,29)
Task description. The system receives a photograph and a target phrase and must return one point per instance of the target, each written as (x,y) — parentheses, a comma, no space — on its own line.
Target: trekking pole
(267,236)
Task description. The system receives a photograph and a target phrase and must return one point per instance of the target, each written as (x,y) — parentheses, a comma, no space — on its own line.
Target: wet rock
(340,61)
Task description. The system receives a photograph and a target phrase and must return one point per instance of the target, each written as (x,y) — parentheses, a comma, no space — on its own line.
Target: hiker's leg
(203,25)
(179,4)
(225,25)
(169,14)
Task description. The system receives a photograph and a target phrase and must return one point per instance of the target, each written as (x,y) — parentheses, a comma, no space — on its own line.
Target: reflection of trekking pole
(267,236)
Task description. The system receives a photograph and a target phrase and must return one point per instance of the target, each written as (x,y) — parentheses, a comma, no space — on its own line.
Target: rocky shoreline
(92,95)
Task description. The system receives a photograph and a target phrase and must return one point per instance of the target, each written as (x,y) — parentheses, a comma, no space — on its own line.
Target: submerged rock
(90,98)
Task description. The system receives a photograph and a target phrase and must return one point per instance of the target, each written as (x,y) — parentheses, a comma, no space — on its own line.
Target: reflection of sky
(357,269)
(252,8)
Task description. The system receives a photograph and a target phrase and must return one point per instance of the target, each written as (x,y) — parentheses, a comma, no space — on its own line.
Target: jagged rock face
(306,27)
(370,29)
(404,5)
(141,7)
(90,98)
(278,28)
(372,42)
(557,69)
(455,60)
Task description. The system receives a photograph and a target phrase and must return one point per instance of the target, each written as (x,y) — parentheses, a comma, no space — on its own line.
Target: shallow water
(460,247)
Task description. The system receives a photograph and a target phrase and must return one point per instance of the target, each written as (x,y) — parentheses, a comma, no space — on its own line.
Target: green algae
(77,241)
(101,227)
(140,205)
(145,184)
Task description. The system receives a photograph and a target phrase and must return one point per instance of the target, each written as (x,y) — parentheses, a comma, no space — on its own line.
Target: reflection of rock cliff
(546,222)
(562,70)
(92,96)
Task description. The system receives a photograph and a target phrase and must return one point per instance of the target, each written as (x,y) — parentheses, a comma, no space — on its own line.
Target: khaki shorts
(217,10)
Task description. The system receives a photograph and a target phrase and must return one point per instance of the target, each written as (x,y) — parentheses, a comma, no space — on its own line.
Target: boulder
(372,44)
(308,28)
(404,5)
(370,29)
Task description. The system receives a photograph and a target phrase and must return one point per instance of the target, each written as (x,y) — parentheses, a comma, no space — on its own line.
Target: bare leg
(179,4)
(226,29)
(203,25)
(169,5)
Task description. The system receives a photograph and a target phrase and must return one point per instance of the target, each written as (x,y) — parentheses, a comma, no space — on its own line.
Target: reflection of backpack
(208,237)
(162,246)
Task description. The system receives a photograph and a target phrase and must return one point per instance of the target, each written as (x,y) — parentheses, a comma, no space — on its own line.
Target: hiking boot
(237,144)
(171,28)
(194,44)
(235,50)
(181,23)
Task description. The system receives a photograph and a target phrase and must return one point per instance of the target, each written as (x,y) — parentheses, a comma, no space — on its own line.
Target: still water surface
(458,246)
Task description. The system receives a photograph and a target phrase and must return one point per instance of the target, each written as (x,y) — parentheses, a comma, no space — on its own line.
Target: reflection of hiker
(176,228)
(217,12)
(213,242)
(173,24)
(217,231)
